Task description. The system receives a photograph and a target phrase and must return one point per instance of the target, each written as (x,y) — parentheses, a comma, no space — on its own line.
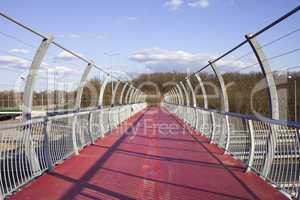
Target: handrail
(269,148)
(39,144)
(247,116)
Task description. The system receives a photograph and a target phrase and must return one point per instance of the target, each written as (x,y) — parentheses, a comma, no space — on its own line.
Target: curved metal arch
(32,75)
(113,97)
(192,91)
(267,72)
(127,94)
(195,118)
(81,86)
(273,100)
(175,95)
(122,94)
(186,94)
(181,95)
(102,90)
(136,96)
(131,95)
(225,104)
(205,100)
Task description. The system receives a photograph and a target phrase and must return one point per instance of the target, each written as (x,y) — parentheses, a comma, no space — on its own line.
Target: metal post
(267,71)
(181,98)
(271,148)
(213,127)
(228,134)
(46,130)
(225,105)
(203,91)
(114,93)
(81,86)
(90,127)
(187,101)
(75,147)
(100,104)
(32,75)
(252,150)
(122,93)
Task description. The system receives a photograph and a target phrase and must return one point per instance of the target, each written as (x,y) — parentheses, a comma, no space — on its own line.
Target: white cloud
(130,18)
(100,36)
(19,51)
(59,69)
(158,60)
(199,4)
(14,62)
(64,56)
(74,36)
(174,4)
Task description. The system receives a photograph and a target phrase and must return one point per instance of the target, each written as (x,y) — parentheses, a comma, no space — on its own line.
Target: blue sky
(150,35)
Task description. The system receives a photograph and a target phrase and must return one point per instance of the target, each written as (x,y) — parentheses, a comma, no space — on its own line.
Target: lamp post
(295,95)
(110,55)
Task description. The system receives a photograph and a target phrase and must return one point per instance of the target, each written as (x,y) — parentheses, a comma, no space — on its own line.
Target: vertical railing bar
(252,149)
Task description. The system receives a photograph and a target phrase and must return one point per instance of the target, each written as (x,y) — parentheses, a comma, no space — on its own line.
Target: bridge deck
(158,159)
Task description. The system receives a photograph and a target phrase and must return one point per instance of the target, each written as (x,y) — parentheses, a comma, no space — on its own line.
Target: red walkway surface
(157,159)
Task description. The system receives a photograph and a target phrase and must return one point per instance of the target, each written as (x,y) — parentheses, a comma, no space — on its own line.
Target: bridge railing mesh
(270,148)
(28,149)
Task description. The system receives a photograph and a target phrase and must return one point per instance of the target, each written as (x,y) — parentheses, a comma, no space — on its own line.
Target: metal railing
(270,148)
(268,144)
(30,148)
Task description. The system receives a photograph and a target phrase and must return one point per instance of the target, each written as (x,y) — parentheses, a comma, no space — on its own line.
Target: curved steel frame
(127,94)
(202,90)
(195,118)
(81,86)
(122,94)
(267,71)
(113,97)
(225,104)
(180,93)
(102,90)
(186,94)
(32,75)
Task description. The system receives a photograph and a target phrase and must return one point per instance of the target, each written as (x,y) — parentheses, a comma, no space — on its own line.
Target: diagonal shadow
(221,163)
(166,138)
(121,196)
(83,181)
(73,193)
(174,159)
(174,184)
(167,147)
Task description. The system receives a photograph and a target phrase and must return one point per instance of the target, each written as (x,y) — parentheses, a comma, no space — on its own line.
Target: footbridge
(97,138)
